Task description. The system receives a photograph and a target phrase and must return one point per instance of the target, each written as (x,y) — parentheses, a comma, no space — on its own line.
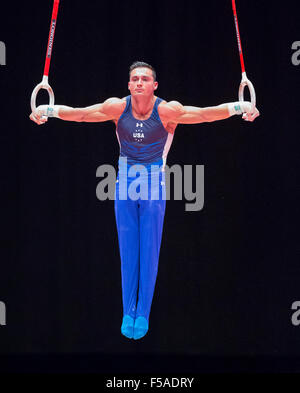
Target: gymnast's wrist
(239,107)
(49,110)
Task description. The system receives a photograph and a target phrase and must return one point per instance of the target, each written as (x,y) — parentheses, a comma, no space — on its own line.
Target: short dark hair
(140,64)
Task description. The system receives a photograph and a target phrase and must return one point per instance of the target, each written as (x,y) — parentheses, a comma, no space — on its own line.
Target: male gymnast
(145,127)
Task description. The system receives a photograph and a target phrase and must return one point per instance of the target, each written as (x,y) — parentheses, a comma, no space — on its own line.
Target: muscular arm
(192,114)
(111,109)
(174,111)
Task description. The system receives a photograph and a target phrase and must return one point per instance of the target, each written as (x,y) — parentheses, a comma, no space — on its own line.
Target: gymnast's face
(141,82)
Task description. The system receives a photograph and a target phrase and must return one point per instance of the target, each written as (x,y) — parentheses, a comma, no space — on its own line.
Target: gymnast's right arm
(111,109)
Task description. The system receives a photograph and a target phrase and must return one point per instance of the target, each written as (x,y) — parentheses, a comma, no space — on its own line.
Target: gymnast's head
(142,79)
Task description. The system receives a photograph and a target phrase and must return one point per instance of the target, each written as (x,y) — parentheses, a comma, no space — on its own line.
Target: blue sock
(140,327)
(127,326)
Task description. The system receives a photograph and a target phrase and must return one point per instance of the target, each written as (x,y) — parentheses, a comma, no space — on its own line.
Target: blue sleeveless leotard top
(143,141)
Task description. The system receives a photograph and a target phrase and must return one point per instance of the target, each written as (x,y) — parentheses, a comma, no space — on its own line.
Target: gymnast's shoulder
(170,110)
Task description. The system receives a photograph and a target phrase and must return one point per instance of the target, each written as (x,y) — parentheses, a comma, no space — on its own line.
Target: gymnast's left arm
(174,111)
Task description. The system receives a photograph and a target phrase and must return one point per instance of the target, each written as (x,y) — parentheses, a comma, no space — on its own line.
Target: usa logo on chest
(138,135)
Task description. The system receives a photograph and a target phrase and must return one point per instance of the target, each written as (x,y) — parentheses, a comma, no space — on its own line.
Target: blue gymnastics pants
(140,226)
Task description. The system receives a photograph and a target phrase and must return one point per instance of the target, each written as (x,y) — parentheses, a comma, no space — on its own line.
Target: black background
(229,273)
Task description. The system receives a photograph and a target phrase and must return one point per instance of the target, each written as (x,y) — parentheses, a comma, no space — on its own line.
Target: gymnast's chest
(140,131)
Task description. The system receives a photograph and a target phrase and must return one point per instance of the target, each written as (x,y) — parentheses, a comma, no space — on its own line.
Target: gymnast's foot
(127,326)
(140,328)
